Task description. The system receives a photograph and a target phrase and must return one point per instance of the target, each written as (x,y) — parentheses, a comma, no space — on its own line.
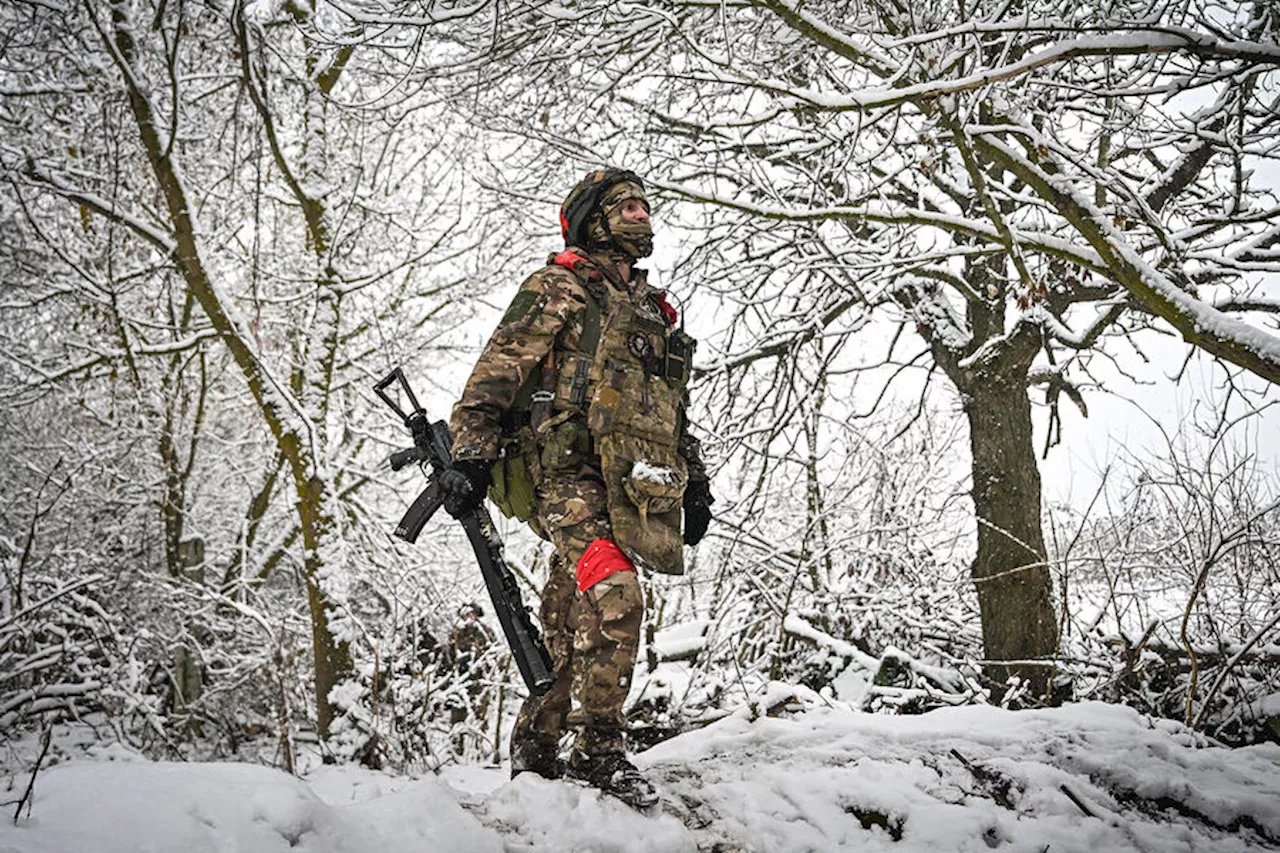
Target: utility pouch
(680,347)
(511,486)
(561,442)
(645,482)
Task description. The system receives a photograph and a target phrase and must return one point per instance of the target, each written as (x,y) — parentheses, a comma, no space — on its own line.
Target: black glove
(697,511)
(463,486)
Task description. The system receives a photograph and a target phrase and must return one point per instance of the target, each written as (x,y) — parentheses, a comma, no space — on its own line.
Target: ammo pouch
(563,442)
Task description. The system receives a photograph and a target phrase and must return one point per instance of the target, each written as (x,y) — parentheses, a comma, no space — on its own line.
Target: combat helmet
(591,216)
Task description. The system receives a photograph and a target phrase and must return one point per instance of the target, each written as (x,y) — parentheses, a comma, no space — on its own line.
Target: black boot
(615,776)
(538,757)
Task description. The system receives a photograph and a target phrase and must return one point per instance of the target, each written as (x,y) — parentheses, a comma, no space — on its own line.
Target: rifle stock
(433,444)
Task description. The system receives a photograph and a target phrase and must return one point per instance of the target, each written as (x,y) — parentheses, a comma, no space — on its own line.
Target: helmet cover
(591,216)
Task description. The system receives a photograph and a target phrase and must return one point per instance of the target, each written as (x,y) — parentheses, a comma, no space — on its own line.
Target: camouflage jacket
(547,314)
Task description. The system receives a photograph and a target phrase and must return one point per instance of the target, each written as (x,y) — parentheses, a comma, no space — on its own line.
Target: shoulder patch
(520,306)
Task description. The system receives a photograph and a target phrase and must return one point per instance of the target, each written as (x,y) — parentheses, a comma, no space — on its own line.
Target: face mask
(634,239)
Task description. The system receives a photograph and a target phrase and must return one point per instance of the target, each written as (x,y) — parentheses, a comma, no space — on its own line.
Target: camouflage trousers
(593,636)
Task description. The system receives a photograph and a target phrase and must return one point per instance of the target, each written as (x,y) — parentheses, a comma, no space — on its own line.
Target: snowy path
(969,779)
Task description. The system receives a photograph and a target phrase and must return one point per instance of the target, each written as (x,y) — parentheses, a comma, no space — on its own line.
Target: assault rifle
(433,444)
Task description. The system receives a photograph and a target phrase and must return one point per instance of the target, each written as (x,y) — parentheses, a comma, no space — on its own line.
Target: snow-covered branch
(1200,323)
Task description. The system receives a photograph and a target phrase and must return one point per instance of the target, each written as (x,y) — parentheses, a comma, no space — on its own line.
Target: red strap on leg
(601,559)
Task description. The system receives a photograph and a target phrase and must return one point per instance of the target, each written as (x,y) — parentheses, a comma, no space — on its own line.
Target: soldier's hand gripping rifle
(433,444)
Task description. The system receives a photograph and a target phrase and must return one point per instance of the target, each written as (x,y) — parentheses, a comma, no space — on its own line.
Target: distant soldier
(426,648)
(469,637)
(587,371)
(467,644)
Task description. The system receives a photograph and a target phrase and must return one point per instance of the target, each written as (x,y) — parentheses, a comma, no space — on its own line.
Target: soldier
(469,637)
(587,370)
(467,643)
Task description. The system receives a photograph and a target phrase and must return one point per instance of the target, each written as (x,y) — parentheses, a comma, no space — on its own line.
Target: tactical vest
(617,397)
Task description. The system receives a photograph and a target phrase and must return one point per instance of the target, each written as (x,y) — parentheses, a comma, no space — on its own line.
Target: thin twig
(1088,812)
(31,783)
(1222,675)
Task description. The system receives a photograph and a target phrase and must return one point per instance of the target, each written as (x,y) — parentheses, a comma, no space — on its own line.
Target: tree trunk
(292,430)
(1015,588)
(1010,571)
(332,657)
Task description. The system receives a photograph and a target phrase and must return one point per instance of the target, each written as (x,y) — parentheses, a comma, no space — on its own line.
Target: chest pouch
(631,393)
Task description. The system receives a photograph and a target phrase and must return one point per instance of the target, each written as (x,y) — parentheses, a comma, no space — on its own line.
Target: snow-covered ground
(1089,777)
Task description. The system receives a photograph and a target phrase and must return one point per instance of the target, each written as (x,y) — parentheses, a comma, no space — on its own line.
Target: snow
(797,625)
(651,473)
(681,641)
(1149,284)
(818,776)
(153,807)
(1165,40)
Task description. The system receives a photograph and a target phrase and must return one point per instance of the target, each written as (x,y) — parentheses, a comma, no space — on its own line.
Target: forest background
(904,238)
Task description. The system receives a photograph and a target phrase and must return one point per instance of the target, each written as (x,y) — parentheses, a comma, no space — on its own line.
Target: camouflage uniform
(592,634)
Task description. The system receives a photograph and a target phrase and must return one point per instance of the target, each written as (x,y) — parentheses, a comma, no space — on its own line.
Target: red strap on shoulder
(571,261)
(670,314)
(601,559)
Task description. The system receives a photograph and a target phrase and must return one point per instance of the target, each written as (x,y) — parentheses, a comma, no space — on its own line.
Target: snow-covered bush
(58,645)
(1175,593)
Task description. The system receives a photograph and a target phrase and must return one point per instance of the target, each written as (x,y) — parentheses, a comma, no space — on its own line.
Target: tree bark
(332,657)
(296,437)
(1015,588)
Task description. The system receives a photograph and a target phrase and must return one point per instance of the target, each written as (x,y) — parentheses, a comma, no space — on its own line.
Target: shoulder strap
(591,326)
(583,270)
(590,276)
